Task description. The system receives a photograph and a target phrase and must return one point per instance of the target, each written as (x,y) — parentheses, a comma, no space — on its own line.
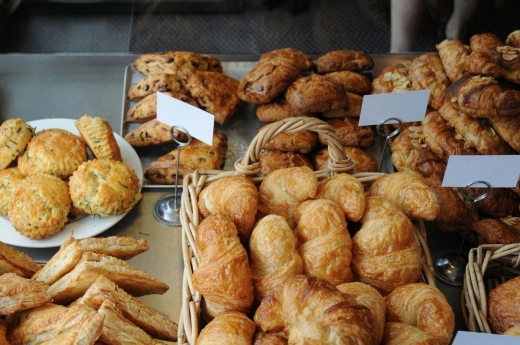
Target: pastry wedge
(151,133)
(170,62)
(18,293)
(85,333)
(146,109)
(13,261)
(15,134)
(99,136)
(153,83)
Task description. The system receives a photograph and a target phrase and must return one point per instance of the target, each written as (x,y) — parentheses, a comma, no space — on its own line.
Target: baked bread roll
(369,297)
(277,110)
(315,94)
(14,261)
(276,159)
(303,61)
(364,160)
(153,83)
(229,327)
(15,134)
(284,189)
(324,243)
(424,307)
(104,187)
(351,81)
(146,109)
(393,79)
(195,155)
(18,293)
(453,54)
(400,333)
(170,62)
(350,133)
(497,231)
(9,179)
(353,109)
(39,206)
(215,92)
(409,192)
(223,277)
(385,253)
(272,265)
(100,138)
(426,72)
(344,60)
(345,190)
(303,141)
(267,80)
(235,196)
(53,151)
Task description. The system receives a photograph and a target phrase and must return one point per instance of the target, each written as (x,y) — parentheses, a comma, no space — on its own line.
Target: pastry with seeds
(15,134)
(99,136)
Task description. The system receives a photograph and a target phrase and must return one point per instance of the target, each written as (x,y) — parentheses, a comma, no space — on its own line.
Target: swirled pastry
(400,333)
(426,72)
(508,128)
(15,134)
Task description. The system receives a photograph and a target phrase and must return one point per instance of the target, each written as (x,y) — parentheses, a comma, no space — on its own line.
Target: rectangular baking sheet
(240,129)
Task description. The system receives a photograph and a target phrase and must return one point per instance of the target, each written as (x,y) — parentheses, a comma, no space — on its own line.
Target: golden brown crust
(15,134)
(353,109)
(151,133)
(172,61)
(484,41)
(267,80)
(18,293)
(508,128)
(513,39)
(303,61)
(3,332)
(315,93)
(351,81)
(53,151)
(39,207)
(303,141)
(497,231)
(324,244)
(9,179)
(271,338)
(427,72)
(274,160)
(453,54)
(104,187)
(344,60)
(350,133)
(223,276)
(503,305)
(269,314)
(393,79)
(196,154)
(364,161)
(153,83)
(230,327)
(14,261)
(235,196)
(345,190)
(215,92)
(100,138)
(483,62)
(424,306)
(276,110)
(146,109)
(400,333)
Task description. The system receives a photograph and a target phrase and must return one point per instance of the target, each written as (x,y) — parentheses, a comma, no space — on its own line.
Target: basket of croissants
(491,291)
(268,259)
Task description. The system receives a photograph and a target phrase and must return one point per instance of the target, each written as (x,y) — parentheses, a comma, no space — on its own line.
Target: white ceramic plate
(82,228)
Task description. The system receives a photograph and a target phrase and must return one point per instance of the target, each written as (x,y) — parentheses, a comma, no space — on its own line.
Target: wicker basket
(488,266)
(249,165)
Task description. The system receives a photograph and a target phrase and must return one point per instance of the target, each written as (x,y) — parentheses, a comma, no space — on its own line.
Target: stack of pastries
(473,109)
(297,260)
(47,176)
(85,294)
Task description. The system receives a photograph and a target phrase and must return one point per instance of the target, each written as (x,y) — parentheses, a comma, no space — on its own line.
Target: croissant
(284,189)
(409,192)
(453,54)
(513,331)
(269,314)
(503,305)
(272,264)
(324,243)
(369,297)
(385,253)
(483,62)
(427,73)
(400,333)
(508,128)
(229,327)
(235,196)
(223,276)
(276,338)
(347,191)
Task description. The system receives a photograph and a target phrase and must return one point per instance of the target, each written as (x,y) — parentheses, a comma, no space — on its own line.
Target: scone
(301,60)
(53,151)
(104,187)
(15,134)
(39,206)
(351,81)
(274,160)
(350,133)
(153,83)
(9,179)
(172,61)
(150,133)
(303,141)
(344,60)
(355,102)
(315,94)
(214,92)
(146,109)
(98,134)
(364,161)
(277,110)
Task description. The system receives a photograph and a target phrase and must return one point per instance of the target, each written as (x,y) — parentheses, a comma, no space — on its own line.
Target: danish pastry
(18,293)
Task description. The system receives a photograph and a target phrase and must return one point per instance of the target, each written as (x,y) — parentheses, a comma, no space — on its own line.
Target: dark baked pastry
(393,79)
(513,39)
(351,81)
(503,305)
(316,93)
(146,109)
(485,41)
(98,134)
(364,161)
(453,54)
(274,160)
(344,60)
(500,203)
(15,134)
(277,110)
(350,133)
(303,141)
(267,80)
(508,127)
(353,109)
(301,60)
(214,92)
(483,62)
(153,83)
(427,72)
(497,231)
(172,61)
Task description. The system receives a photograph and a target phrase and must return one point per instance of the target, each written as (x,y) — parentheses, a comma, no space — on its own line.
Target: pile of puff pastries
(297,261)
(85,294)
(474,109)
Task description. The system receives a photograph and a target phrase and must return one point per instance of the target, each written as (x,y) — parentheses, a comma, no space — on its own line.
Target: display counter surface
(38,86)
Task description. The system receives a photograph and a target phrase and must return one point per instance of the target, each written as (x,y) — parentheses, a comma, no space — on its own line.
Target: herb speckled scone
(15,134)
(104,187)
(99,136)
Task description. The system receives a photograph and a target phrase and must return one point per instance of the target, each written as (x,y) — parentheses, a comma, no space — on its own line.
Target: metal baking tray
(240,128)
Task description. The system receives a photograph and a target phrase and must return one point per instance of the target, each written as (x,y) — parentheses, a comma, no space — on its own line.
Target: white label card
(474,338)
(407,106)
(197,122)
(501,171)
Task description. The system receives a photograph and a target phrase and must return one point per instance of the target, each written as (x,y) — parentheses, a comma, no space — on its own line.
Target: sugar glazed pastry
(15,134)
(39,207)
(170,62)
(104,187)
(53,151)
(99,136)
(223,276)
